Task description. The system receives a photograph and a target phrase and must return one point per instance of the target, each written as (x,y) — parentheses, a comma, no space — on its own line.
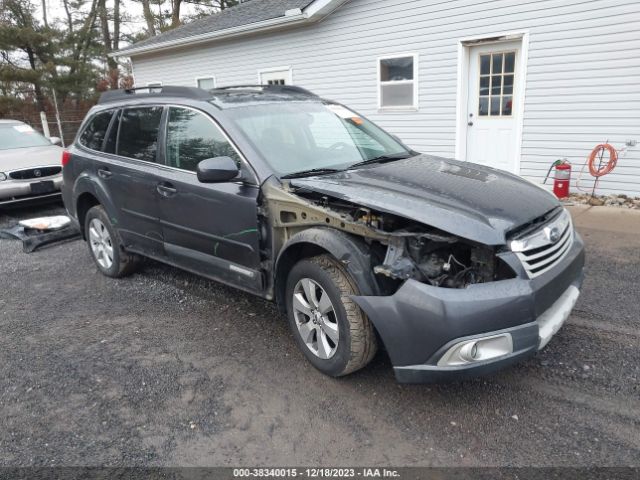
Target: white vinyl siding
(582,77)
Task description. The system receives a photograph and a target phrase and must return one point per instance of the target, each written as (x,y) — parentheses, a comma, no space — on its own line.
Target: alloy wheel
(315,318)
(101,244)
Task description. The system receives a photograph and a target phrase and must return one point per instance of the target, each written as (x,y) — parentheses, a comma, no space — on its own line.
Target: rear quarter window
(93,135)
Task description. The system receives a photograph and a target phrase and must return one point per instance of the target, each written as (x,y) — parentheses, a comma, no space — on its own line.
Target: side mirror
(55,140)
(217,170)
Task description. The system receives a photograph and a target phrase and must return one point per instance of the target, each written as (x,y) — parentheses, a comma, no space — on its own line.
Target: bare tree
(148,17)
(108,42)
(44,14)
(67,11)
(175,12)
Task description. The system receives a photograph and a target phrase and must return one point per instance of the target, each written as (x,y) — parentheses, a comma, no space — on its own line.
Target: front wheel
(331,330)
(105,245)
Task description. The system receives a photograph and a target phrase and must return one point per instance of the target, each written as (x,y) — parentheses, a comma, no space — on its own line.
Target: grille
(37,172)
(543,249)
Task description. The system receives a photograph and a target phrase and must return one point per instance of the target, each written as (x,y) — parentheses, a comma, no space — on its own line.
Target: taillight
(66,156)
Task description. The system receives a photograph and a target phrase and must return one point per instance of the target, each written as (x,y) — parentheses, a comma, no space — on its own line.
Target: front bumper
(419,323)
(14,192)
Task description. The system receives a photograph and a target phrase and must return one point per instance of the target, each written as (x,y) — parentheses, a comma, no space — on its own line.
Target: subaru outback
(456,269)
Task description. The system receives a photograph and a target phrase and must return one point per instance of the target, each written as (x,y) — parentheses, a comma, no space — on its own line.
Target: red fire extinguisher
(561,179)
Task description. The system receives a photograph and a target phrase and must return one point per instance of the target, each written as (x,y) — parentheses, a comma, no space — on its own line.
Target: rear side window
(95,131)
(138,137)
(193,137)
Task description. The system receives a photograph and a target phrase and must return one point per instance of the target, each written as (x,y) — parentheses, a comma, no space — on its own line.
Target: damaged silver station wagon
(455,269)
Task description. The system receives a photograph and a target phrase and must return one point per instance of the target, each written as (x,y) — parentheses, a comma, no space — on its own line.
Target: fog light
(469,351)
(477,350)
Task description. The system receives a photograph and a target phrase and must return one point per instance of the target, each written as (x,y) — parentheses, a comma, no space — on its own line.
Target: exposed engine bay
(437,260)
(401,249)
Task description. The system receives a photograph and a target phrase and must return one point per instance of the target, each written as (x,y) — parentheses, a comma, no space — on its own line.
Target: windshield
(296,136)
(20,136)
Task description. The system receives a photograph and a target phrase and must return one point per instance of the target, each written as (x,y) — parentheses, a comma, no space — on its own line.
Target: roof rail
(269,88)
(155,91)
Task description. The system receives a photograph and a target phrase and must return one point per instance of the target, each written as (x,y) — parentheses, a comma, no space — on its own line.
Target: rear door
(131,174)
(209,228)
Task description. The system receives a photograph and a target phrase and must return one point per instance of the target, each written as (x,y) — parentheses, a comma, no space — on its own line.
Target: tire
(113,262)
(356,342)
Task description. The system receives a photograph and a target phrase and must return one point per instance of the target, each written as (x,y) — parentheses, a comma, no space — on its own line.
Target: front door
(492,105)
(208,228)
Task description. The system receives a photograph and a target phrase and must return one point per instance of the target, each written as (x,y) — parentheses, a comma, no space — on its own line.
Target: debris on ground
(613,200)
(55,222)
(39,232)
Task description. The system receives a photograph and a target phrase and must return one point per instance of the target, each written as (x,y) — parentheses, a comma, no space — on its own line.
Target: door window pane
(95,131)
(484,85)
(483,109)
(496,64)
(193,137)
(496,80)
(507,105)
(508,85)
(485,64)
(509,62)
(496,84)
(138,137)
(495,105)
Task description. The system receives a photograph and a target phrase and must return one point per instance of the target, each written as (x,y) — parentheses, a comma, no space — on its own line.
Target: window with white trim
(397,82)
(154,87)
(275,76)
(206,83)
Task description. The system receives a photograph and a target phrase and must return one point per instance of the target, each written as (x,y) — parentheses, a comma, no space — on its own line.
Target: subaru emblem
(37,172)
(554,234)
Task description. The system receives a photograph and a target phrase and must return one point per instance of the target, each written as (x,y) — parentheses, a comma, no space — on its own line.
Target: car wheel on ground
(330,329)
(105,245)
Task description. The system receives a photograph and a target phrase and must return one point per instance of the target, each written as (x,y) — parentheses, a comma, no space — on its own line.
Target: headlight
(3,176)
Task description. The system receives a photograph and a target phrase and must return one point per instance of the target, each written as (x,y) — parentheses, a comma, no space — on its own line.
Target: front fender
(350,250)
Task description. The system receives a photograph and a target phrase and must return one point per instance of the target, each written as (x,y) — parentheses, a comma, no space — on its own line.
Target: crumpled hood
(469,200)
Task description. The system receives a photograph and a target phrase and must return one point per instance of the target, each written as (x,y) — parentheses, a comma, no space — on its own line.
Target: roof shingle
(246,13)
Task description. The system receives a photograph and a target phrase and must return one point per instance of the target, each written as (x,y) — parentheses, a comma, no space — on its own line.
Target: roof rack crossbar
(155,91)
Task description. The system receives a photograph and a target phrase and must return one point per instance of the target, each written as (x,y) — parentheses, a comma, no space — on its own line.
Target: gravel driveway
(165,368)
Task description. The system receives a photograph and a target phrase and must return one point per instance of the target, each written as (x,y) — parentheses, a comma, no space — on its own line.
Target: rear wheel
(105,245)
(331,330)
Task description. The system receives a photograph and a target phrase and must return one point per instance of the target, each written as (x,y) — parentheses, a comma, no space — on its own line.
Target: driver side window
(193,137)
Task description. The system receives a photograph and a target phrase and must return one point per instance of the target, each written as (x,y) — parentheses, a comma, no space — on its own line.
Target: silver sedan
(30,164)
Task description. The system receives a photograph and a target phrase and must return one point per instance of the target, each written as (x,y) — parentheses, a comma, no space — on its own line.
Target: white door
(492,105)
(275,77)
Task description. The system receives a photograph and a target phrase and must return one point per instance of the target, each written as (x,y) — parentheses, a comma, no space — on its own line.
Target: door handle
(104,173)
(166,189)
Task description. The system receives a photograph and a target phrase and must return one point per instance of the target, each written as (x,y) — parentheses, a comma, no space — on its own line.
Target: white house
(507,83)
